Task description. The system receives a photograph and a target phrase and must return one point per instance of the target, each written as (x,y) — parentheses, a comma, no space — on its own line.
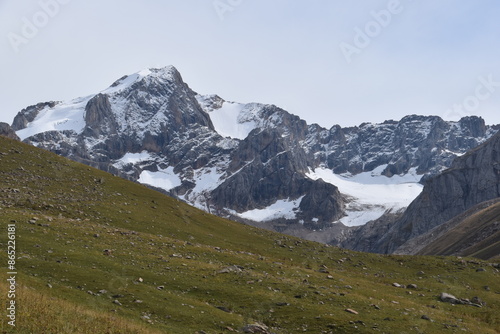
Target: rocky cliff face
(7,131)
(247,161)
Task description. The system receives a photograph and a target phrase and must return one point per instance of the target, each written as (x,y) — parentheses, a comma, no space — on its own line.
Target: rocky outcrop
(473,178)
(362,238)
(27,115)
(99,117)
(7,131)
(474,232)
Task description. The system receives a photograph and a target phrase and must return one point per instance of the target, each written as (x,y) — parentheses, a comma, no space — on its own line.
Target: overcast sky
(328,61)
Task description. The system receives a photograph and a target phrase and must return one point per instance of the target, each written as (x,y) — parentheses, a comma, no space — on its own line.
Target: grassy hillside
(98,254)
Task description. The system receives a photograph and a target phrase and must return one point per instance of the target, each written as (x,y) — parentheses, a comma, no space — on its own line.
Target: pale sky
(327,61)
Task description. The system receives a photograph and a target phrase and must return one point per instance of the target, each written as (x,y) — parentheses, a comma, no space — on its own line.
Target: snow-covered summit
(158,74)
(70,115)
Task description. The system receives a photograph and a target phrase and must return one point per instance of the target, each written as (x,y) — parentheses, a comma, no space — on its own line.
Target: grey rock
(231,269)
(29,114)
(448,298)
(256,328)
(478,301)
(7,131)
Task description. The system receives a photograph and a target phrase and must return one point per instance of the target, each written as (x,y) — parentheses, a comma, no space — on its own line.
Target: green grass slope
(98,254)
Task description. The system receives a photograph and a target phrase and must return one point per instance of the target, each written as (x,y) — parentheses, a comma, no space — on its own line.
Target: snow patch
(361,215)
(372,193)
(376,177)
(206,179)
(64,116)
(237,120)
(458,154)
(226,121)
(284,208)
(164,178)
(133,158)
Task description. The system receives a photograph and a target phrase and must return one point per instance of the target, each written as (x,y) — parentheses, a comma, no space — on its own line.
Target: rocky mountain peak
(148,76)
(248,161)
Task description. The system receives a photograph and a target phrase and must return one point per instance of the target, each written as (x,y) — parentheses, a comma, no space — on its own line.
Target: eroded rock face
(7,131)
(27,115)
(426,142)
(473,178)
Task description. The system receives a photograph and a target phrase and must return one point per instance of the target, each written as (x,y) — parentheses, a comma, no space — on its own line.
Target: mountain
(472,179)
(100,254)
(251,162)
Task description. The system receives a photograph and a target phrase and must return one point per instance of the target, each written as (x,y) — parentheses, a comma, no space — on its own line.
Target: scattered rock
(117,302)
(224,309)
(478,301)
(231,269)
(480,269)
(397,285)
(412,286)
(350,310)
(447,298)
(256,328)
(161,287)
(425,317)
